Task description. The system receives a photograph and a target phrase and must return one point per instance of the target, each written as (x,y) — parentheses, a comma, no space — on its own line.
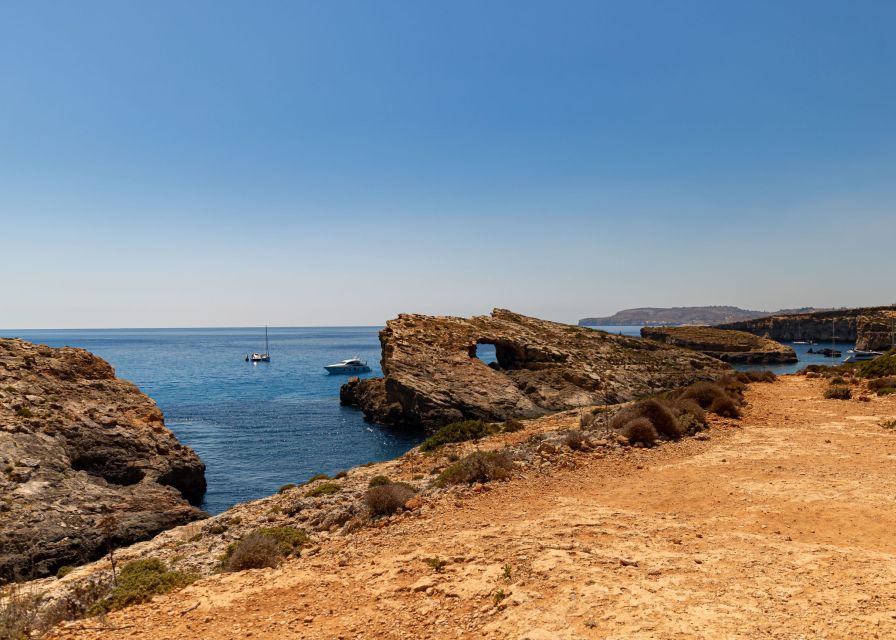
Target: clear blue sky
(309,163)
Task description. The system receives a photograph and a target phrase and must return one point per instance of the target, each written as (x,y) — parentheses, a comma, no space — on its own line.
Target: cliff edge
(729,346)
(85,461)
(432,376)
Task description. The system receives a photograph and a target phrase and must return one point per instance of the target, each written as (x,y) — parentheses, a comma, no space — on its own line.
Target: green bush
(480,466)
(459,432)
(64,570)
(286,488)
(140,580)
(377,481)
(883,365)
(324,489)
(289,539)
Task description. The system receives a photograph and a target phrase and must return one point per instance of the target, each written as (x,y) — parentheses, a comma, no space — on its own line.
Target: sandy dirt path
(779,526)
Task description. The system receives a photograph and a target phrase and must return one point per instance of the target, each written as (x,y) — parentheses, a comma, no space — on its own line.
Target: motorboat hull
(344,369)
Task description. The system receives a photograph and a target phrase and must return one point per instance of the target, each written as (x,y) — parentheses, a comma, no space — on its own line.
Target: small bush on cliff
(377,481)
(140,580)
(459,432)
(837,392)
(286,488)
(265,547)
(640,431)
(480,466)
(324,489)
(254,551)
(882,383)
(386,499)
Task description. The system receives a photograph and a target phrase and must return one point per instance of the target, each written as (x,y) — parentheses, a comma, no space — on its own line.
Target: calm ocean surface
(260,426)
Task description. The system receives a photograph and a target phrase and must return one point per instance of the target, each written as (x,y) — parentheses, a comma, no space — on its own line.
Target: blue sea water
(256,426)
(260,426)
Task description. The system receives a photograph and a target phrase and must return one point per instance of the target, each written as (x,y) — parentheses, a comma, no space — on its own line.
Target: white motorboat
(857,355)
(351,365)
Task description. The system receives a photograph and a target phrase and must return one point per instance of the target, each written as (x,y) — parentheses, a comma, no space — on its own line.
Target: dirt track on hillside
(782,526)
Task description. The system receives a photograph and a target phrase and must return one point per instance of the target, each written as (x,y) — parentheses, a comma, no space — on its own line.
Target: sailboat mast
(266,350)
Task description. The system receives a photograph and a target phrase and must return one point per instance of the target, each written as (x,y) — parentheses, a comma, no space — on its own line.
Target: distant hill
(671,316)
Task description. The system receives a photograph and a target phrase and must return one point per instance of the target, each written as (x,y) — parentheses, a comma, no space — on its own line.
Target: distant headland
(668,316)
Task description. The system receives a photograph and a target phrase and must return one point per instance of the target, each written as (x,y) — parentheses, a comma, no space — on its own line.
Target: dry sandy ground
(780,527)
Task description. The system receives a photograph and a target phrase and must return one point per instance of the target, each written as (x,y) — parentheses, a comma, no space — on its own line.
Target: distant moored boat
(261,357)
(351,365)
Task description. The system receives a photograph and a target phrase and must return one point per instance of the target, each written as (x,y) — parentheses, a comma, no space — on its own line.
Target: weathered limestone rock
(726,345)
(819,326)
(876,333)
(432,375)
(85,460)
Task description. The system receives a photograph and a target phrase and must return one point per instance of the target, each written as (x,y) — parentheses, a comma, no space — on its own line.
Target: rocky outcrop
(432,375)
(876,332)
(821,326)
(736,347)
(85,461)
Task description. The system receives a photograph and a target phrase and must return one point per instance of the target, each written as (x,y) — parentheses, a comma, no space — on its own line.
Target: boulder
(432,375)
(85,462)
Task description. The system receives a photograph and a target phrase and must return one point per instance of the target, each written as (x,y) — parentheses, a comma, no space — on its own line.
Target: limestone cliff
(433,377)
(867,326)
(85,460)
(726,345)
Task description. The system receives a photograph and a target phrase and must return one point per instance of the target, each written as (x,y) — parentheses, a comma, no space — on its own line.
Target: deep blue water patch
(256,426)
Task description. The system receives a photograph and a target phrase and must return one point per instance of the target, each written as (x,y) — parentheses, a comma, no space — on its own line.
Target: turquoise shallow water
(256,426)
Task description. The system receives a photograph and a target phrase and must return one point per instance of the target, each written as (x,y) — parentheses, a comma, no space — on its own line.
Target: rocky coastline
(735,347)
(432,376)
(86,462)
(869,327)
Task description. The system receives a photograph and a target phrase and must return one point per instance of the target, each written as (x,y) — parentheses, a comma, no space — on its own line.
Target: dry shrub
(725,406)
(756,376)
(18,613)
(512,426)
(837,393)
(386,499)
(575,440)
(691,418)
(255,551)
(640,431)
(732,385)
(703,393)
(883,386)
(479,466)
(661,417)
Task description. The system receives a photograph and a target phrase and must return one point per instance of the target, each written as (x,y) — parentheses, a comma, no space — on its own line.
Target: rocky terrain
(774,526)
(85,461)
(867,326)
(432,376)
(659,316)
(725,344)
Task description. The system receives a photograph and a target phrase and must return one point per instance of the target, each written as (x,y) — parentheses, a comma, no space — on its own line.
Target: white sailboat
(261,357)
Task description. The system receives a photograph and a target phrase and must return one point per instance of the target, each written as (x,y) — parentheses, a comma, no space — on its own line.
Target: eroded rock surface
(867,326)
(85,460)
(432,376)
(726,345)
